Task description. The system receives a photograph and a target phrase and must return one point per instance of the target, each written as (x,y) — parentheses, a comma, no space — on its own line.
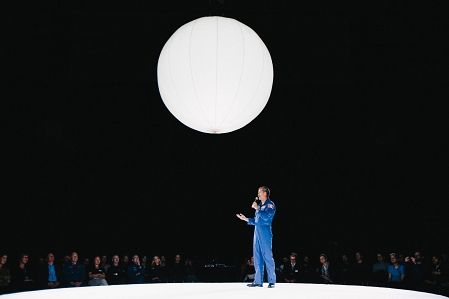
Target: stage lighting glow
(215,75)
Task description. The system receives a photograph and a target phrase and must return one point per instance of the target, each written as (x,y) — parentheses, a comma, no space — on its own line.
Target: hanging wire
(216,7)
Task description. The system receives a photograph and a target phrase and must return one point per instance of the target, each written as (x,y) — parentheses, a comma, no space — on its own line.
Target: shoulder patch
(270,206)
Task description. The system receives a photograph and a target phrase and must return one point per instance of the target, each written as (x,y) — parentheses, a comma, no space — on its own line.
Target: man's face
(293,259)
(144,259)
(104,258)
(50,258)
(74,257)
(344,257)
(322,259)
(435,260)
(418,256)
(115,259)
(135,259)
(3,259)
(125,259)
(86,261)
(24,259)
(67,259)
(306,259)
(177,258)
(358,256)
(380,258)
(262,194)
(393,259)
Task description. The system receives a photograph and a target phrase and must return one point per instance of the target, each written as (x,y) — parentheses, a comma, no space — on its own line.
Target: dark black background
(351,142)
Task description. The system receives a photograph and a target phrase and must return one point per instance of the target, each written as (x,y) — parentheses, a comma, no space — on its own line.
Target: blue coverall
(262,248)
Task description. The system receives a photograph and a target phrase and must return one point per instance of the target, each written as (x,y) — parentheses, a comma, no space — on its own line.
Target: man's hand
(242,217)
(255,206)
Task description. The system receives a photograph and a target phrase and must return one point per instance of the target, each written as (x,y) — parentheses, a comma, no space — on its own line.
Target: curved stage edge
(223,290)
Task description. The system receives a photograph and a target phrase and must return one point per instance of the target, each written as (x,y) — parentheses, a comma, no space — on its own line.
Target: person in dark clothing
(116,273)
(177,270)
(74,273)
(5,275)
(190,272)
(379,277)
(328,274)
(437,276)
(290,272)
(248,271)
(156,271)
(345,270)
(96,273)
(21,276)
(49,275)
(306,271)
(136,274)
(416,271)
(361,270)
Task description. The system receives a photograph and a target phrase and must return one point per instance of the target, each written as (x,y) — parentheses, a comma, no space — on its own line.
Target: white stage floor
(223,290)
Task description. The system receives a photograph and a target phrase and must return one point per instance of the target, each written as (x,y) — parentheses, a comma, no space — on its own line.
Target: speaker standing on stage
(263,236)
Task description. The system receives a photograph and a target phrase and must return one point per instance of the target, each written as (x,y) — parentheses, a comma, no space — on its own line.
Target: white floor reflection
(225,291)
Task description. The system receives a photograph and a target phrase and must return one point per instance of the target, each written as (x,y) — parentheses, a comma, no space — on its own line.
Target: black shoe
(271,285)
(254,285)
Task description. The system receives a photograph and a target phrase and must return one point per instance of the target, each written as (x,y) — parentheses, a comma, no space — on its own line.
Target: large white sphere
(215,74)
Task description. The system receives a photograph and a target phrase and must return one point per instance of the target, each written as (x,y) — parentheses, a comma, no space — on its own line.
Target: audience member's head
(74,257)
(115,259)
(323,258)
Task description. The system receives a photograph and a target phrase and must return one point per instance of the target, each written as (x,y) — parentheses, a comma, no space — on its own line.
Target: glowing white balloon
(215,74)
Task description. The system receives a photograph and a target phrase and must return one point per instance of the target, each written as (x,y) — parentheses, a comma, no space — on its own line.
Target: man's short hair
(265,189)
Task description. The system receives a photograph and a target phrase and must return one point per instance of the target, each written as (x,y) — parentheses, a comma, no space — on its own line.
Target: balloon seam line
(241,75)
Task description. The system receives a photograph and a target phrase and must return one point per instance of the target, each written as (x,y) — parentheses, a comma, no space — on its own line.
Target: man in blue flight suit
(262,237)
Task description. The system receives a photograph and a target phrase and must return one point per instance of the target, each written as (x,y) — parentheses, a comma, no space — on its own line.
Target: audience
(414,274)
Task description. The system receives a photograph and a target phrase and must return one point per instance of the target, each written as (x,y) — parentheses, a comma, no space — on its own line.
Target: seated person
(21,276)
(290,272)
(74,273)
(116,273)
(249,271)
(49,274)
(396,272)
(156,271)
(136,274)
(5,275)
(97,274)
